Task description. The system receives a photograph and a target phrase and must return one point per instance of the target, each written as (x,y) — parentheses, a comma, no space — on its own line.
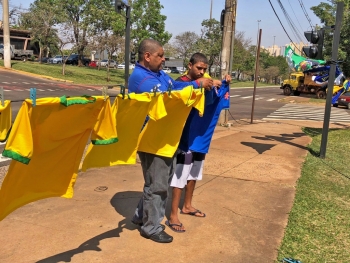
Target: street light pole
(6,39)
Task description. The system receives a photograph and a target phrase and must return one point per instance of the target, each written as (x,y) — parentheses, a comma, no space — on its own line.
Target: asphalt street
(266,102)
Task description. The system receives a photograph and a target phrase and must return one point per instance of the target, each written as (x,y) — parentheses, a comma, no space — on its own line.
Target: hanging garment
(5,120)
(199,131)
(130,113)
(47,143)
(162,137)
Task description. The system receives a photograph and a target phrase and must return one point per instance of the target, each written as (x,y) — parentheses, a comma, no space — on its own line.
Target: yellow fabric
(130,114)
(52,138)
(5,120)
(162,137)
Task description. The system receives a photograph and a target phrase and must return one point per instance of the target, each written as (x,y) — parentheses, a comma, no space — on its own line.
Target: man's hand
(206,83)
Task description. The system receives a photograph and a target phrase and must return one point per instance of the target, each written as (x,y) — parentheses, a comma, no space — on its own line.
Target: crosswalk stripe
(271,99)
(50,89)
(307,112)
(232,96)
(5,82)
(25,82)
(247,97)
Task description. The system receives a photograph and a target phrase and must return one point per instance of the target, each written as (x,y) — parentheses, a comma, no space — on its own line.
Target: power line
(295,31)
(291,7)
(285,31)
(305,13)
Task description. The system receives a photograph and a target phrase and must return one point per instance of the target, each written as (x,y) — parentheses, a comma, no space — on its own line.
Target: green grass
(319,222)
(79,75)
(92,76)
(241,84)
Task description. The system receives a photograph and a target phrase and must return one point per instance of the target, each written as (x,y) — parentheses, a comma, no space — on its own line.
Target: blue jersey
(198,131)
(144,80)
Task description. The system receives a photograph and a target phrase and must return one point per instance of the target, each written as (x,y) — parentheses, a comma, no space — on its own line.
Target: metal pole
(256,76)
(327,112)
(127,45)
(6,28)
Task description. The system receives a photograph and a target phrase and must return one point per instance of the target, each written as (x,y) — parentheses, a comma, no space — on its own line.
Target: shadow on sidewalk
(284,138)
(124,203)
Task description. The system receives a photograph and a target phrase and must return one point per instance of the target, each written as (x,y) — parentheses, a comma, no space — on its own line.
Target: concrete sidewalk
(247,192)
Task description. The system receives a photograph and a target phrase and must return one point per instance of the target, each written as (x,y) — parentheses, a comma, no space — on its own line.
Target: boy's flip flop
(194,213)
(174,229)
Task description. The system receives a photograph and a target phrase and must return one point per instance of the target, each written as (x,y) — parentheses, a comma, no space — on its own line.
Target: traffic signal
(316,38)
(119,5)
(132,57)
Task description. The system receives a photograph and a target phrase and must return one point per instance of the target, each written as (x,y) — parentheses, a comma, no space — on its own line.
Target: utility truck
(312,81)
(19,54)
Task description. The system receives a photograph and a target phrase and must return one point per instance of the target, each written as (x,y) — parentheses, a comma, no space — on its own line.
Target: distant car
(93,64)
(343,100)
(122,66)
(175,71)
(58,59)
(74,60)
(112,63)
(167,70)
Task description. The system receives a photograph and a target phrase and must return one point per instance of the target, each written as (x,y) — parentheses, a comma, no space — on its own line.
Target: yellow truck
(299,82)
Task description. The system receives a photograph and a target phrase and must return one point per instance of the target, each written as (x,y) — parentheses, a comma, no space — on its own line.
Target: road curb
(36,75)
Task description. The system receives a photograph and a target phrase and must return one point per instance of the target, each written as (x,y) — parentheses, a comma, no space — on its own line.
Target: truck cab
(291,84)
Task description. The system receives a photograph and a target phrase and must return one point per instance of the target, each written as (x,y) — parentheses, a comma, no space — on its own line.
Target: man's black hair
(148,45)
(198,57)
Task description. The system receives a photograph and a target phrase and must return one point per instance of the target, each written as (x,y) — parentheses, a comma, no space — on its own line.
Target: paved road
(266,102)
(16,88)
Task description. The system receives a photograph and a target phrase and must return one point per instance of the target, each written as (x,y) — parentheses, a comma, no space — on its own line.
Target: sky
(187,15)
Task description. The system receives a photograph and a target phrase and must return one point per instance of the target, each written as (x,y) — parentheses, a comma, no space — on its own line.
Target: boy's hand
(206,83)
(228,78)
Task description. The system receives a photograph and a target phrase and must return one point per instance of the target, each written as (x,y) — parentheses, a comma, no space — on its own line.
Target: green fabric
(104,142)
(85,99)
(15,156)
(7,135)
(294,61)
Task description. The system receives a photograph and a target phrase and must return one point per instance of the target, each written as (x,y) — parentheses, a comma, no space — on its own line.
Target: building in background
(275,50)
(21,39)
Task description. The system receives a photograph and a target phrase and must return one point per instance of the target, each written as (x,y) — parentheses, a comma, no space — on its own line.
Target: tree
(41,18)
(83,16)
(148,22)
(243,55)
(326,12)
(185,45)
(210,42)
(170,50)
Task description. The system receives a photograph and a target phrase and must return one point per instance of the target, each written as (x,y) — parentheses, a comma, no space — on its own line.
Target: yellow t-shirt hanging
(162,137)
(5,120)
(47,143)
(130,113)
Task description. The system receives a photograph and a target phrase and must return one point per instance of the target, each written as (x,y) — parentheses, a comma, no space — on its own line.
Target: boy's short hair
(198,57)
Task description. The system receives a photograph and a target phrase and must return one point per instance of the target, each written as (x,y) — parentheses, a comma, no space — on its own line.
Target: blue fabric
(198,131)
(144,80)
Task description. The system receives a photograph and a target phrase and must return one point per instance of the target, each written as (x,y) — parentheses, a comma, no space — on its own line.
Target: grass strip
(319,222)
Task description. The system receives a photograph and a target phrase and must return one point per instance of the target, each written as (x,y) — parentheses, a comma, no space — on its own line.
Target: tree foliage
(327,14)
(148,22)
(42,19)
(210,41)
(184,44)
